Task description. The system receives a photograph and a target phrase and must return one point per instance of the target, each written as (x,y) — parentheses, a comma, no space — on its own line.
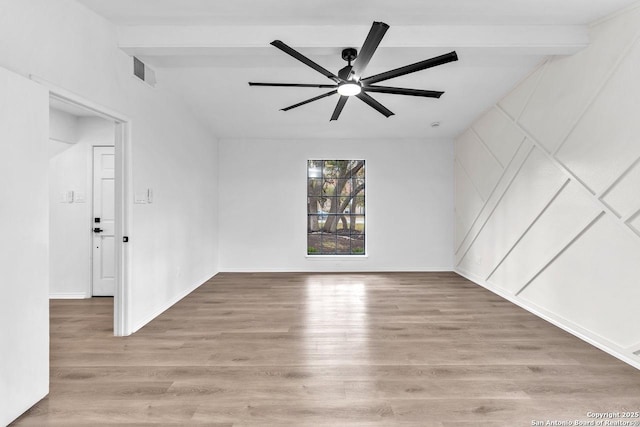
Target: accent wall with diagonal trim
(547,192)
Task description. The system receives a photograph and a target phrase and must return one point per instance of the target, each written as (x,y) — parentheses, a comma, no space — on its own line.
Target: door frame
(123,197)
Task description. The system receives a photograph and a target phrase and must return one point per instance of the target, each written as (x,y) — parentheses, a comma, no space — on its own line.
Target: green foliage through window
(335,207)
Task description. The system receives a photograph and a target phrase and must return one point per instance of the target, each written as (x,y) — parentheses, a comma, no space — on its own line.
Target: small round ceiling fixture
(349,88)
(435,124)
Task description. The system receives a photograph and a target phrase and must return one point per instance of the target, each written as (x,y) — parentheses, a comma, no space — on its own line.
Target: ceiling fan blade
(324,95)
(374,104)
(345,72)
(300,57)
(290,85)
(376,33)
(408,69)
(404,91)
(339,107)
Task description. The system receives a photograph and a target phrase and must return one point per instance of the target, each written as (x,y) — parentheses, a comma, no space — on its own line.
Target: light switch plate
(66,196)
(140,198)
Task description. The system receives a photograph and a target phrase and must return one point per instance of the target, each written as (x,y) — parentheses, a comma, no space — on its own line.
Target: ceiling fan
(349,81)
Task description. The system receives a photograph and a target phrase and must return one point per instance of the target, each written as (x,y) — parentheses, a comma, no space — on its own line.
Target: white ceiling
(207,50)
(332,12)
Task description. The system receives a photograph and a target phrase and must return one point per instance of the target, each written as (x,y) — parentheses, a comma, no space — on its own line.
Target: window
(335,207)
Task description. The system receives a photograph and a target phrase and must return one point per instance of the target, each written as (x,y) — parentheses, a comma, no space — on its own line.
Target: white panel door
(24,245)
(103,221)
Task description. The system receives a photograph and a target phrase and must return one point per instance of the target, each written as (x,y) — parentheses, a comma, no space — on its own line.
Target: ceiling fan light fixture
(349,88)
(351,79)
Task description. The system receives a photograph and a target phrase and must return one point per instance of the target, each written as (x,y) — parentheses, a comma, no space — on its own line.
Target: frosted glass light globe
(349,89)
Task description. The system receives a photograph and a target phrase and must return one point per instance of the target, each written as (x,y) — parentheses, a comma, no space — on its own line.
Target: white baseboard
(330,269)
(69,295)
(625,355)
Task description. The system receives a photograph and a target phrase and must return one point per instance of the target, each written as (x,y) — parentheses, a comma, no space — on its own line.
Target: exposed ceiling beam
(162,40)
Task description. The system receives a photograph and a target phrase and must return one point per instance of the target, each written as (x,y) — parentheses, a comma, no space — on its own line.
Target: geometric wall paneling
(568,250)
(501,136)
(594,283)
(624,196)
(515,102)
(634,223)
(468,203)
(597,196)
(565,218)
(534,186)
(479,163)
(619,29)
(570,83)
(490,205)
(604,145)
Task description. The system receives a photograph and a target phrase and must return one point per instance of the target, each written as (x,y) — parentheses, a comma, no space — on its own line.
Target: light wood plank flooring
(392,349)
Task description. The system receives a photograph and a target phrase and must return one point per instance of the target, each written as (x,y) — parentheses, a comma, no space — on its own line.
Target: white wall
(24,308)
(263,204)
(173,241)
(548,191)
(62,131)
(63,126)
(70,222)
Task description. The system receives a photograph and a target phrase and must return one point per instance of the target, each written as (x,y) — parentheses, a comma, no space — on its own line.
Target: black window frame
(336,223)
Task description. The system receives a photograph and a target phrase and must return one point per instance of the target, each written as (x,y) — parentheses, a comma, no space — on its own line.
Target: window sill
(343,257)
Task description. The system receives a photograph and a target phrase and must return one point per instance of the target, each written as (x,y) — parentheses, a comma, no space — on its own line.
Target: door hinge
(125,239)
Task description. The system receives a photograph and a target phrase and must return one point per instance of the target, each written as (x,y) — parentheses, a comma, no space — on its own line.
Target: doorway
(104,266)
(81,194)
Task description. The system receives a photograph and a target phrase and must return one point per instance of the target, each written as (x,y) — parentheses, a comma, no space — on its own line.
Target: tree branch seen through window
(335,207)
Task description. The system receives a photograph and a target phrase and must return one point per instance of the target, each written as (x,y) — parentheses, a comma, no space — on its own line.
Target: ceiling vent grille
(143,72)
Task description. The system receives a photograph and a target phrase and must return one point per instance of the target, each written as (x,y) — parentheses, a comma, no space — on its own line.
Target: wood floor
(393,349)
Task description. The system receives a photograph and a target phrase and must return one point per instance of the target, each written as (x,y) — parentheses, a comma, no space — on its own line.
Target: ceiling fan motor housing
(349,54)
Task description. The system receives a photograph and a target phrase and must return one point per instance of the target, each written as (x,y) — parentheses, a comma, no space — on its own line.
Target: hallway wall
(24,252)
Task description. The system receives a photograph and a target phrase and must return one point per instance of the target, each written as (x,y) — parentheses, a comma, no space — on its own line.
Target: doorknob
(98,230)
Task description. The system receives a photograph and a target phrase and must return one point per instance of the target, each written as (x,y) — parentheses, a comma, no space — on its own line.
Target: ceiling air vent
(143,72)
